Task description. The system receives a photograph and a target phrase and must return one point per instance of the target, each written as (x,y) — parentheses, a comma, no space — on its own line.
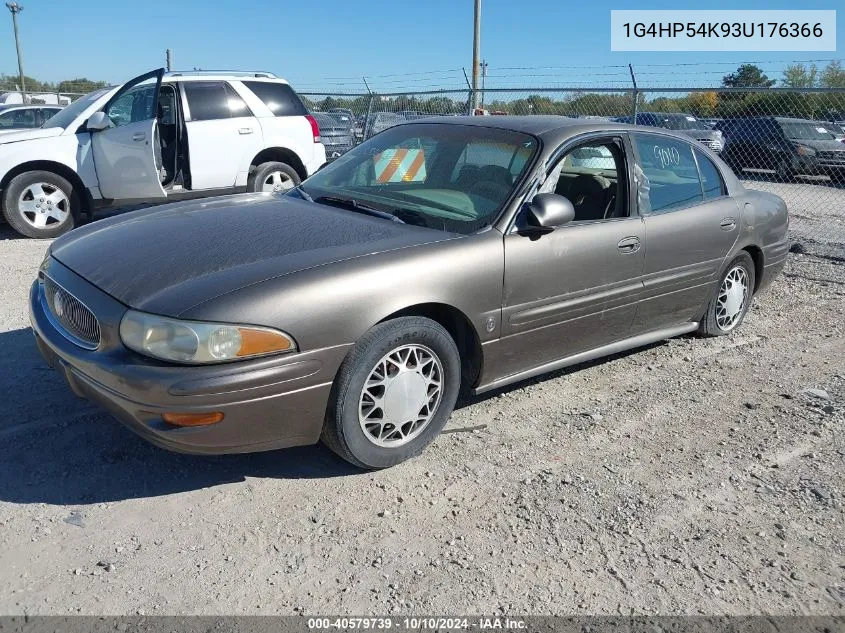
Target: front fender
(336,304)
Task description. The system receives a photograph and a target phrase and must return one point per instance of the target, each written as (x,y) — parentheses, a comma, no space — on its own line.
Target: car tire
(731,298)
(784,171)
(369,427)
(273,177)
(40,204)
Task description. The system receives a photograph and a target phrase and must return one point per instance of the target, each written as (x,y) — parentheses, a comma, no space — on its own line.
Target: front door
(577,287)
(125,152)
(690,226)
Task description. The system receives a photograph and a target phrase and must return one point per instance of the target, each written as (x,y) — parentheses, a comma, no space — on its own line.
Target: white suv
(159,136)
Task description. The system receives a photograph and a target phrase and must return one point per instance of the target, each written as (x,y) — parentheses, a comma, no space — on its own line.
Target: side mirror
(98,121)
(547,211)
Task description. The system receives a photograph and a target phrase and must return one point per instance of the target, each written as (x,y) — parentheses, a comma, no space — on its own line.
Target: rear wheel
(394,393)
(731,299)
(784,170)
(273,177)
(40,204)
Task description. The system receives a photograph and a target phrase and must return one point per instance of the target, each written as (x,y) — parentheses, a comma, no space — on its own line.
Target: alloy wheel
(400,396)
(43,205)
(277,181)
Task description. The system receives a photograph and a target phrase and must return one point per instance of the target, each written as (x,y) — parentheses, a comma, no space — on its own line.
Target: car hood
(712,134)
(15,136)
(167,259)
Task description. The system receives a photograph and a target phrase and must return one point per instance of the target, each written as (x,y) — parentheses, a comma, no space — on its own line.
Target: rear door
(223,134)
(690,226)
(124,154)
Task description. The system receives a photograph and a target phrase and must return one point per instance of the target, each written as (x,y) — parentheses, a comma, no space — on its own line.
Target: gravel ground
(693,476)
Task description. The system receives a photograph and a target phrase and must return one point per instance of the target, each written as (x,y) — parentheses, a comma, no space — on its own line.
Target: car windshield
(681,122)
(806,131)
(66,116)
(454,178)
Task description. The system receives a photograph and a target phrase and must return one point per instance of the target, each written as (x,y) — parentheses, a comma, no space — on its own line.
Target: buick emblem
(490,324)
(59,304)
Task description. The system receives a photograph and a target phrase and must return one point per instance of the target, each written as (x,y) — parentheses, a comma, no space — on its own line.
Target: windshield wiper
(301,191)
(357,205)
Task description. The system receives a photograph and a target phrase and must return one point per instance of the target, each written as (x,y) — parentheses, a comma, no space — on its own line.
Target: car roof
(27,106)
(668,114)
(786,119)
(538,125)
(222,76)
(552,129)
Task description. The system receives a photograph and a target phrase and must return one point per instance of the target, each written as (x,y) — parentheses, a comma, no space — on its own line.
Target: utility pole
(15,8)
(476,53)
(169,59)
(483,77)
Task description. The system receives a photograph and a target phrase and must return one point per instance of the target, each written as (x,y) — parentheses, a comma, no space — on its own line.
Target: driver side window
(593,178)
(134,105)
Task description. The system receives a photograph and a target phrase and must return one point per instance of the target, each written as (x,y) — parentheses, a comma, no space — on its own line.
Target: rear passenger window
(671,176)
(711,180)
(209,100)
(280,98)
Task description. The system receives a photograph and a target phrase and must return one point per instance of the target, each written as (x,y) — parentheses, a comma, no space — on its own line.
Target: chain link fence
(787,141)
(782,140)
(61,94)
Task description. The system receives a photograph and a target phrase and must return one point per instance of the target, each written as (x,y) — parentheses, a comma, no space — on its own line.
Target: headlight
(803,150)
(197,342)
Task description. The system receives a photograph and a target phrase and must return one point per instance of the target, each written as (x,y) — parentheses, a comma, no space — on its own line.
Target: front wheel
(40,204)
(731,299)
(784,171)
(273,177)
(394,393)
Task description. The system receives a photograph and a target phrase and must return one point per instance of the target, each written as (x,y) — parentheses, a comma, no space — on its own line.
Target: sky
(330,44)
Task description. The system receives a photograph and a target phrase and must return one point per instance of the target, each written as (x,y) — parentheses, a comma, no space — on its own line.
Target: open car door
(124,137)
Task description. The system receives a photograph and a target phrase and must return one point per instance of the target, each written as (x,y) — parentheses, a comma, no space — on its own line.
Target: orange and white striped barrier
(400,165)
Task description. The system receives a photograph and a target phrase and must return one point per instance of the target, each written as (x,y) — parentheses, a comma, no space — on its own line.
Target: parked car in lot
(336,135)
(376,122)
(683,123)
(159,136)
(22,117)
(787,146)
(412,115)
(345,116)
(455,252)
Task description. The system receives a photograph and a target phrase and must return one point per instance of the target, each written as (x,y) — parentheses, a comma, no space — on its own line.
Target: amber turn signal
(255,342)
(192,419)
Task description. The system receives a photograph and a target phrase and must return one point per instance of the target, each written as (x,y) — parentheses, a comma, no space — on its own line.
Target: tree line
(711,103)
(11,83)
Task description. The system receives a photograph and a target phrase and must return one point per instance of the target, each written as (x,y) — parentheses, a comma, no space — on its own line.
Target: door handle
(245,130)
(727,224)
(628,245)
(139,136)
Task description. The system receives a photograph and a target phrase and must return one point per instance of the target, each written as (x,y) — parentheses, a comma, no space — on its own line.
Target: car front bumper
(268,403)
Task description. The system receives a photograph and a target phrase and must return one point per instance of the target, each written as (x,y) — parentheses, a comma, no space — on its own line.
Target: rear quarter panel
(765,225)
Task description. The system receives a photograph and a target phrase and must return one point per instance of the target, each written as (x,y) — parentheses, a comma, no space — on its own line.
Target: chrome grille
(71,315)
